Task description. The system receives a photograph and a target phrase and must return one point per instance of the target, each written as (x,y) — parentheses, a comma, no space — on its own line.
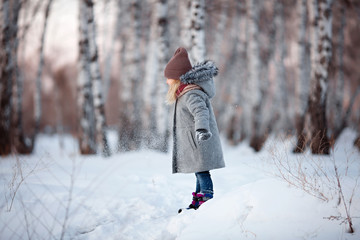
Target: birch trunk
(281,98)
(235,110)
(111,50)
(38,88)
(254,94)
(151,79)
(22,144)
(338,115)
(302,86)
(8,51)
(97,87)
(85,98)
(320,71)
(197,31)
(6,80)
(130,132)
(270,118)
(215,50)
(245,117)
(162,109)
(156,120)
(345,116)
(184,13)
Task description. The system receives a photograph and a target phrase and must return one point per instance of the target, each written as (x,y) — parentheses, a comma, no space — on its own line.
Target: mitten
(202,135)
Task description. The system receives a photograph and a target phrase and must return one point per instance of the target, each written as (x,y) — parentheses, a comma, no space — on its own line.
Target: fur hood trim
(200,72)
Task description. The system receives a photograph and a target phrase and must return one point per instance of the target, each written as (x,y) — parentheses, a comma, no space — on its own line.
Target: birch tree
(303,74)
(280,97)
(38,88)
(22,144)
(197,31)
(319,76)
(97,86)
(215,49)
(339,88)
(254,95)
(110,50)
(130,117)
(234,110)
(185,24)
(9,28)
(87,143)
(163,57)
(340,115)
(151,79)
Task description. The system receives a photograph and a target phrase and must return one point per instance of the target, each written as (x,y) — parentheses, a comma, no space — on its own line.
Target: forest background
(83,67)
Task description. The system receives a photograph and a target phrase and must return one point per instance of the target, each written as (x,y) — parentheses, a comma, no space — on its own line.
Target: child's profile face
(170,81)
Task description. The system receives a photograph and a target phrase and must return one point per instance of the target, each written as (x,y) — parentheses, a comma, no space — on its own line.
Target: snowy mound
(59,194)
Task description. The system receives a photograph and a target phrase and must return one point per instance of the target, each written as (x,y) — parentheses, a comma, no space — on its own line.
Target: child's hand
(203,135)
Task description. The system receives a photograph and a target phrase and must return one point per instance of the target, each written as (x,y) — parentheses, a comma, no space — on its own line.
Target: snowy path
(135,196)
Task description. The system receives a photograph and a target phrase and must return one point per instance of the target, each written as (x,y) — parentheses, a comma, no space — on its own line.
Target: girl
(197,147)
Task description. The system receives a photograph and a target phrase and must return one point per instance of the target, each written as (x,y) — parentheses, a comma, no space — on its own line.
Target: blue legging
(204,183)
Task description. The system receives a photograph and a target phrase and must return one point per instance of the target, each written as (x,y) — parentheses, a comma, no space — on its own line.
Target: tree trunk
(340,117)
(215,49)
(130,132)
(302,86)
(184,15)
(151,81)
(255,94)
(23,144)
(357,142)
(109,51)
(85,98)
(9,23)
(320,71)
(38,88)
(162,109)
(280,96)
(97,85)
(197,31)
(339,89)
(234,111)
(345,117)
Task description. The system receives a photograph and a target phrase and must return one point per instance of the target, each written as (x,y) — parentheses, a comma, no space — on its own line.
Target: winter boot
(203,197)
(198,199)
(195,202)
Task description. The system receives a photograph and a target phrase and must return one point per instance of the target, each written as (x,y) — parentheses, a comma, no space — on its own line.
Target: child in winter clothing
(196,146)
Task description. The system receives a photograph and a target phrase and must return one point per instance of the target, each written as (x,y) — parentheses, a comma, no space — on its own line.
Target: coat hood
(202,74)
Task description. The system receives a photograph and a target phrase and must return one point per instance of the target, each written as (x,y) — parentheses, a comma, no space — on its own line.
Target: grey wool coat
(193,111)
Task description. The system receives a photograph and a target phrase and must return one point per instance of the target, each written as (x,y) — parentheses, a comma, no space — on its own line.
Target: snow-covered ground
(57,194)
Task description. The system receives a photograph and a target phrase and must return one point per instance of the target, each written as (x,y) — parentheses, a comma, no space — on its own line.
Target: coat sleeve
(197,107)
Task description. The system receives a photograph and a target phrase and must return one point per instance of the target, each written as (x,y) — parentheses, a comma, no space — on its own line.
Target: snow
(134,195)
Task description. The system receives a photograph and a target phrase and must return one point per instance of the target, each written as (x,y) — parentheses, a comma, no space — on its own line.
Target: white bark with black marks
(130,131)
(97,84)
(163,56)
(87,143)
(197,31)
(184,15)
(320,74)
(338,113)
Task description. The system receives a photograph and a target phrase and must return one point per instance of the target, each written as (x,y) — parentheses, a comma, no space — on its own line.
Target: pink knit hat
(178,65)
